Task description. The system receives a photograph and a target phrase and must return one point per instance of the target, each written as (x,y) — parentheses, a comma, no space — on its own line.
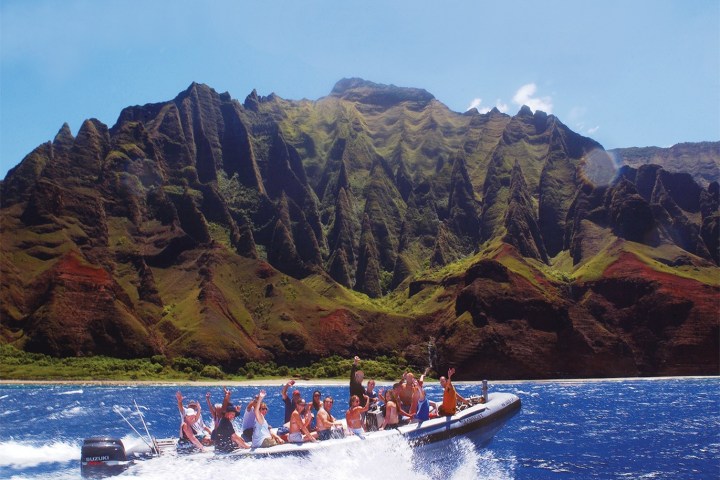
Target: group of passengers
(405,402)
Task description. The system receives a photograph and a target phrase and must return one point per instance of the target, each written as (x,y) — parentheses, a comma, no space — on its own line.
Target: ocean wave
(71,392)
(20,455)
(68,413)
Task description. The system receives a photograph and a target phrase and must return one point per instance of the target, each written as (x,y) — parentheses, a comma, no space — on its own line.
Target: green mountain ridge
(373,221)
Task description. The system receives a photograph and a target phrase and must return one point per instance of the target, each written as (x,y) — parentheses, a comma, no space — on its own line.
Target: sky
(623,72)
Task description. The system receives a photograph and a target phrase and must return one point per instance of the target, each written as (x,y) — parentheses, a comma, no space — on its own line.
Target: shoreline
(327,381)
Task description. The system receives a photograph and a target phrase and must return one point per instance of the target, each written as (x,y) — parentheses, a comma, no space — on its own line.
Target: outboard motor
(102,456)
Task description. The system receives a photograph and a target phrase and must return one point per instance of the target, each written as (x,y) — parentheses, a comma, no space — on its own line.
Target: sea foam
(19,455)
(394,458)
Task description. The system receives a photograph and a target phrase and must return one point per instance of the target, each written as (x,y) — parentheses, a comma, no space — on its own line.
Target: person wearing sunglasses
(263,435)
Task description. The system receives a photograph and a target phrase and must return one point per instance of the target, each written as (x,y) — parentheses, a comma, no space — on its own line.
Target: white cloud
(475,103)
(525,95)
(593,129)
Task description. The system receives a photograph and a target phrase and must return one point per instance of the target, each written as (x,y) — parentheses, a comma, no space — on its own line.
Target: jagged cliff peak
(64,138)
(195,88)
(525,111)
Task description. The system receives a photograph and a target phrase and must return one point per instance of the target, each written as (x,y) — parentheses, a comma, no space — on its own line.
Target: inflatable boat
(103,456)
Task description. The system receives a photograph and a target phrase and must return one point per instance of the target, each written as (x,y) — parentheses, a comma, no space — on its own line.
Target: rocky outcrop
(282,253)
(343,235)
(630,323)
(520,222)
(463,210)
(102,321)
(637,212)
(359,90)
(368,270)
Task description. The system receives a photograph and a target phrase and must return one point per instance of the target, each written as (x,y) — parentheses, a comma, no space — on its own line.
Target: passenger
(289,401)
(423,404)
(450,396)
(356,379)
(353,416)
(404,416)
(190,431)
(406,392)
(425,407)
(392,419)
(317,402)
(327,426)
(199,426)
(263,435)
(216,410)
(371,393)
(224,436)
(317,405)
(307,416)
(248,423)
(299,422)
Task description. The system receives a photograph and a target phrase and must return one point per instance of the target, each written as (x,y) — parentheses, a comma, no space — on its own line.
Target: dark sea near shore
(624,428)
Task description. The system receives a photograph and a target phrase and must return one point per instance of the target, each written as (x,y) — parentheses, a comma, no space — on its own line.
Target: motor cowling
(102,456)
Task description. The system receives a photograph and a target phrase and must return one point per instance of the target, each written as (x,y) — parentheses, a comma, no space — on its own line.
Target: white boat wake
(20,455)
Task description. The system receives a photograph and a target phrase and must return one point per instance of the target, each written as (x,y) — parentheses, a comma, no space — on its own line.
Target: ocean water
(621,429)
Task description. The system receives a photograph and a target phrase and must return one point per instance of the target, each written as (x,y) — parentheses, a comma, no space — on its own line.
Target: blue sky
(624,72)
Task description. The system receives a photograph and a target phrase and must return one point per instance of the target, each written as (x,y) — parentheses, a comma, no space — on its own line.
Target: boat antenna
(142,419)
(134,429)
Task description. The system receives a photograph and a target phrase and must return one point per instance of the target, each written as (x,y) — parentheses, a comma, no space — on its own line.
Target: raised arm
(211,408)
(353,369)
(226,399)
(258,415)
(252,403)
(285,389)
(181,409)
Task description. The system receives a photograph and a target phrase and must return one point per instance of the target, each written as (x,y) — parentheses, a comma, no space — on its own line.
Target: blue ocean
(624,429)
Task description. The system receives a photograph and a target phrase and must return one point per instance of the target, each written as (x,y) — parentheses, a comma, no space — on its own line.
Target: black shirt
(356,387)
(222,436)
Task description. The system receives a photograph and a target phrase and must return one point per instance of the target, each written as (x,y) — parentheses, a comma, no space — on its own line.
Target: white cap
(190,411)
